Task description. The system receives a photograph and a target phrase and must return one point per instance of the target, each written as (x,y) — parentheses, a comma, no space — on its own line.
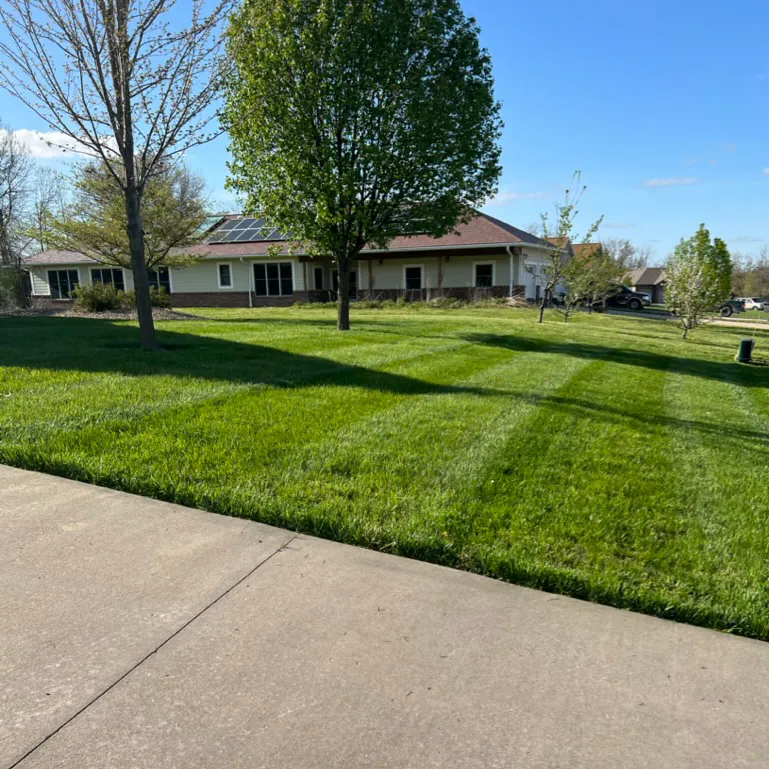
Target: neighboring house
(242,263)
(649,280)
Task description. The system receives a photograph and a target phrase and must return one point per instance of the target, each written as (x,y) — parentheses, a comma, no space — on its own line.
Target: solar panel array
(245,231)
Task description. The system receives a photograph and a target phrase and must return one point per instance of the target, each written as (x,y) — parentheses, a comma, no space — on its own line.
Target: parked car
(731,306)
(755,303)
(626,298)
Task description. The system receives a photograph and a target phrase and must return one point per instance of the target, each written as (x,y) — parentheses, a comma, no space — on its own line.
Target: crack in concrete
(151,653)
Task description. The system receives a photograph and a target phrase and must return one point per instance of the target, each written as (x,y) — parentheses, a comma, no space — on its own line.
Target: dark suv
(626,298)
(731,306)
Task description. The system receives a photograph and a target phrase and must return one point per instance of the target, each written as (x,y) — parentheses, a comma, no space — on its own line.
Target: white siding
(458,271)
(39,278)
(203,275)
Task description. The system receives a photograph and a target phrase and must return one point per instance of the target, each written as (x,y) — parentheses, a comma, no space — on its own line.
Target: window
(412,277)
(160,277)
(62,282)
(109,277)
(318,275)
(484,275)
(273,279)
(224,275)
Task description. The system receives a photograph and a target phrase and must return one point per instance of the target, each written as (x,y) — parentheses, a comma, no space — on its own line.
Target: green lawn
(607,458)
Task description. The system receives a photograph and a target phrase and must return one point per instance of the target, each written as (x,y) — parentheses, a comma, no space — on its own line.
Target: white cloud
(46,144)
(766,172)
(746,239)
(502,198)
(673,181)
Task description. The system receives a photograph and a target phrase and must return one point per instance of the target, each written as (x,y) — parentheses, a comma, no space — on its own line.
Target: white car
(755,303)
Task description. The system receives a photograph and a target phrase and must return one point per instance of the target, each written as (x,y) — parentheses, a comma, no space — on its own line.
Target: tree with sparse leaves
(697,278)
(125,83)
(559,236)
(589,279)
(174,211)
(354,121)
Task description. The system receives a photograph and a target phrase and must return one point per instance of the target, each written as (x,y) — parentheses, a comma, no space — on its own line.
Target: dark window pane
(413,278)
(484,275)
(318,278)
(260,280)
(160,278)
(118,281)
(273,280)
(286,279)
(225,278)
(62,282)
(53,282)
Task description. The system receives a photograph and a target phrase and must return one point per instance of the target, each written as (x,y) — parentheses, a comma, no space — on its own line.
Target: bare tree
(559,236)
(47,200)
(627,256)
(15,170)
(125,84)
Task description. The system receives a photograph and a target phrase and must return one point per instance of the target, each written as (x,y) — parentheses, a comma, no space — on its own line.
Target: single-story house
(244,263)
(649,280)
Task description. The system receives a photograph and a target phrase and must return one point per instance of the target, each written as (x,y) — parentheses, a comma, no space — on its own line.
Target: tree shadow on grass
(744,439)
(102,346)
(722,371)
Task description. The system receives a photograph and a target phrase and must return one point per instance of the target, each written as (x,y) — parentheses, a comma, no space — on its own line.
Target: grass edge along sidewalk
(605,459)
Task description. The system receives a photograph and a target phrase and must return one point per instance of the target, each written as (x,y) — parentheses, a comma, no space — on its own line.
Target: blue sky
(662,105)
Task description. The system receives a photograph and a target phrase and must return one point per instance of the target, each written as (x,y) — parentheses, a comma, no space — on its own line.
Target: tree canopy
(94,223)
(353,121)
(697,278)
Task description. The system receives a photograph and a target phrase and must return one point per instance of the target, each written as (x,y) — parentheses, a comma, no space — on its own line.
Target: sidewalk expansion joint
(150,654)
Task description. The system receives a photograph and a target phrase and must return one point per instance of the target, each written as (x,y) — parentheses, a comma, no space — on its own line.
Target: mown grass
(604,458)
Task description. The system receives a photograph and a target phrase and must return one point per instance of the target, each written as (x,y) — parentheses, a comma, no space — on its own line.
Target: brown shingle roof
(585,249)
(482,229)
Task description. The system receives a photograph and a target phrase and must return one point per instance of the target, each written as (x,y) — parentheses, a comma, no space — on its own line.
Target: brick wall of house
(233,299)
(467,293)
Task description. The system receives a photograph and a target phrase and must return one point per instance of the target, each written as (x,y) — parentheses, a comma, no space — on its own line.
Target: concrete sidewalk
(137,634)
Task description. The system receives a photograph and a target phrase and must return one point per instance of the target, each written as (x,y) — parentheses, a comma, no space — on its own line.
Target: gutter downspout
(250,279)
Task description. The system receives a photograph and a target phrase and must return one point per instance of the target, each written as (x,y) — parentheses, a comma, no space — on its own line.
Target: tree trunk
(139,268)
(343,295)
(542,306)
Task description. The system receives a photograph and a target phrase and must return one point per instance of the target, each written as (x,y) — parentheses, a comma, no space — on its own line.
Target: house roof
(647,276)
(586,249)
(59,257)
(481,230)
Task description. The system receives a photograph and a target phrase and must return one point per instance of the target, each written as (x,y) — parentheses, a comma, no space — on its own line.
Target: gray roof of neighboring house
(260,240)
(647,276)
(59,257)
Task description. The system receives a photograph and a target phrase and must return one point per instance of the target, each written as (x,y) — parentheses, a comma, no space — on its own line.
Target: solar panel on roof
(244,224)
(228,225)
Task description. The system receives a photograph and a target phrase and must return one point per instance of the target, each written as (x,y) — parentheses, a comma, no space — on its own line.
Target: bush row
(100,297)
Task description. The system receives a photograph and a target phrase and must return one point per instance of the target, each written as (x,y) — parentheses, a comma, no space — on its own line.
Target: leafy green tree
(697,278)
(353,121)
(95,223)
